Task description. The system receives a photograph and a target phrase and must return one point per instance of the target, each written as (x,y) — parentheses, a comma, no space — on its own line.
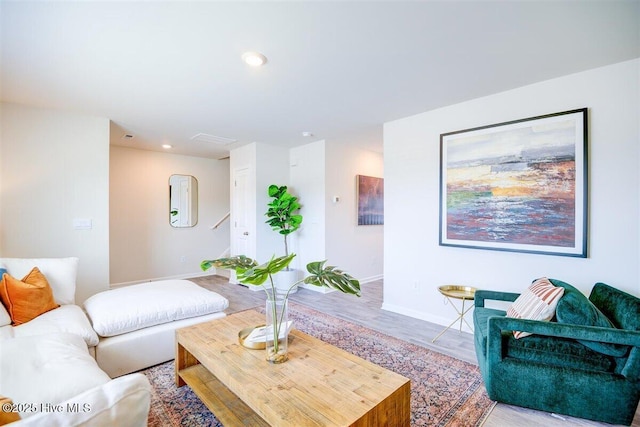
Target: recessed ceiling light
(255,59)
(166,146)
(307,134)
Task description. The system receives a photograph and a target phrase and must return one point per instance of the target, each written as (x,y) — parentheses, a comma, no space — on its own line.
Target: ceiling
(166,71)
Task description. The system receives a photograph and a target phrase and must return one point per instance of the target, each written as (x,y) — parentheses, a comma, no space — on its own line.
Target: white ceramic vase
(284,279)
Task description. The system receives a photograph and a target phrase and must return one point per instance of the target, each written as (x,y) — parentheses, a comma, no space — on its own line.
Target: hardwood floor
(366,311)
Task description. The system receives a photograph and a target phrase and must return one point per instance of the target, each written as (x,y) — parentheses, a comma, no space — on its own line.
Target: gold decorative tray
(252,345)
(457,291)
(244,333)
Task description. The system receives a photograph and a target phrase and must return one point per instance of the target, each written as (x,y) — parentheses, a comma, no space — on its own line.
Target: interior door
(242,215)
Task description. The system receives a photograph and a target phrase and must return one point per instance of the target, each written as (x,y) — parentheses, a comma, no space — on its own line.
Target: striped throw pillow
(538,302)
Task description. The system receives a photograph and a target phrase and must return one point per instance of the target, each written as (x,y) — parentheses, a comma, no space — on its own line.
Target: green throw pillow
(576,309)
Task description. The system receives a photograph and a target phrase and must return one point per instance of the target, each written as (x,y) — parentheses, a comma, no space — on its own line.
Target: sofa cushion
(5,319)
(621,308)
(554,351)
(47,369)
(28,298)
(60,272)
(122,401)
(562,352)
(6,332)
(130,308)
(537,302)
(67,318)
(576,309)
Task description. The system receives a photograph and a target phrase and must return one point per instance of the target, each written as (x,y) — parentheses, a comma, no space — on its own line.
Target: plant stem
(274,315)
(286,248)
(274,312)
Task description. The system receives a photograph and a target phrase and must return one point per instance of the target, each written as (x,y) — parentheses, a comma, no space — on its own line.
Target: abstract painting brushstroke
(518,186)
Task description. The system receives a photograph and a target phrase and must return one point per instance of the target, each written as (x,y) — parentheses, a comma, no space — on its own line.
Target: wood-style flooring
(366,311)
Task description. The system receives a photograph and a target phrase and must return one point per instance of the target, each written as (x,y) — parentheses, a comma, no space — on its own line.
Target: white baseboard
(438,320)
(324,290)
(318,289)
(372,278)
(223,273)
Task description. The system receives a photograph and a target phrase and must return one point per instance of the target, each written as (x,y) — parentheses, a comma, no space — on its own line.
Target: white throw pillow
(537,302)
(130,308)
(60,273)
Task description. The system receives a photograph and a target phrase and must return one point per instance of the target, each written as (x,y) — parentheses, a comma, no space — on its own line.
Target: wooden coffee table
(320,385)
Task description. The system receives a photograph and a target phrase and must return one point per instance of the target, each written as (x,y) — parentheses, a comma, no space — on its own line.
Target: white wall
(308,182)
(143,244)
(55,168)
(319,171)
(411,147)
(357,249)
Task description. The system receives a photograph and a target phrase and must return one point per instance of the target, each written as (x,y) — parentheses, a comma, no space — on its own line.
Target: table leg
(184,359)
(461,314)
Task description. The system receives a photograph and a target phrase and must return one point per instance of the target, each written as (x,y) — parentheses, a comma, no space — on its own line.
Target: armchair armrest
(496,325)
(482,295)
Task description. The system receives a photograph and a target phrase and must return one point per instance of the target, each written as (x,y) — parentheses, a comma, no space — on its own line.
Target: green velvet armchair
(571,368)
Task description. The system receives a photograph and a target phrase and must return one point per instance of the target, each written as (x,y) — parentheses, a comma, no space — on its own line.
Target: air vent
(205,137)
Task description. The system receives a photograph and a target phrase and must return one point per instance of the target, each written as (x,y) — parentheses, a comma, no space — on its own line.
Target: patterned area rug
(444,391)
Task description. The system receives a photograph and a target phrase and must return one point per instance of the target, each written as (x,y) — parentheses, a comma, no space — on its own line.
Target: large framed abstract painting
(370,194)
(517,186)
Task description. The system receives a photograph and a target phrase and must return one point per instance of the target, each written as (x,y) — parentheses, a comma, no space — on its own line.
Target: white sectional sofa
(58,371)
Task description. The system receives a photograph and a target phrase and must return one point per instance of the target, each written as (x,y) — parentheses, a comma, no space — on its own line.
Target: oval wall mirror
(183,201)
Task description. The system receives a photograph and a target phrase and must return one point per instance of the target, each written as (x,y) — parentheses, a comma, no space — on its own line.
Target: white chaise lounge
(137,324)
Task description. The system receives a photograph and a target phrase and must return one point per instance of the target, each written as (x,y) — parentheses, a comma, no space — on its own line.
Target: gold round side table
(463,293)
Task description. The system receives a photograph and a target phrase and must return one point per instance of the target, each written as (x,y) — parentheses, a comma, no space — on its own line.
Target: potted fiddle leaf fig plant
(277,326)
(282,213)
(283,217)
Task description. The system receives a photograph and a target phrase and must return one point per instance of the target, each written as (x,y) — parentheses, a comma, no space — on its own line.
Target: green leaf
(331,277)
(281,216)
(273,190)
(248,271)
(257,275)
(233,263)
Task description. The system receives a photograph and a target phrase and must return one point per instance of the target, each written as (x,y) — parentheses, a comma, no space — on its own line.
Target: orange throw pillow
(7,412)
(28,298)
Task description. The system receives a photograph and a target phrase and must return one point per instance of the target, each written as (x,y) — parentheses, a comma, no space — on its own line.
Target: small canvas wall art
(370,191)
(517,186)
